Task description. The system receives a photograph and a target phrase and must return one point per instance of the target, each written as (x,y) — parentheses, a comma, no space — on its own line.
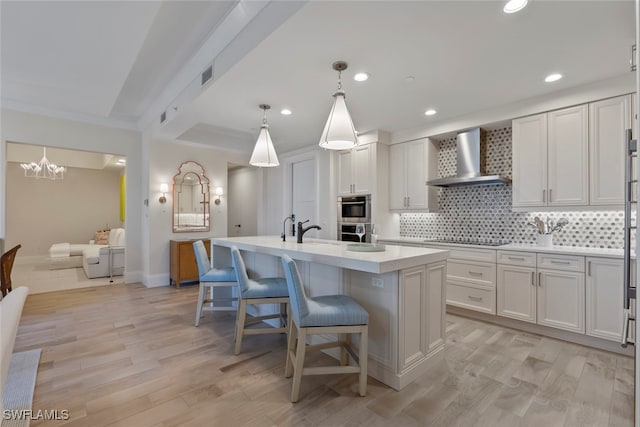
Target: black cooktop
(480,242)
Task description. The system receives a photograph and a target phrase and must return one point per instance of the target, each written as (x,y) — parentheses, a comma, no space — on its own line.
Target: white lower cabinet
(560,299)
(553,295)
(570,292)
(516,290)
(604,298)
(471,278)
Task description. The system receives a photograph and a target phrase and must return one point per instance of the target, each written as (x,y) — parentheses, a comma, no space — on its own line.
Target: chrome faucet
(302,230)
(284,226)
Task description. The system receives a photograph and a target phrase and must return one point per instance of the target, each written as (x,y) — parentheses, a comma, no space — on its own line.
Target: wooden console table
(183,266)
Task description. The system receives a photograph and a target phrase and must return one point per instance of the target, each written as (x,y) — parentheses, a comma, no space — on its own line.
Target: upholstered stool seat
(212,278)
(268,290)
(330,314)
(334,310)
(268,287)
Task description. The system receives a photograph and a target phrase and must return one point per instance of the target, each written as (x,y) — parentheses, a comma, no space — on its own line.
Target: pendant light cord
(339,80)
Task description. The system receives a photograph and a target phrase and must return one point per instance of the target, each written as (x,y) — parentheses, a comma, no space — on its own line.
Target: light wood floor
(36,273)
(125,355)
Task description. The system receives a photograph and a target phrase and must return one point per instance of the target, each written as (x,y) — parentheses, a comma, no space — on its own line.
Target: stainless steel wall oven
(353,210)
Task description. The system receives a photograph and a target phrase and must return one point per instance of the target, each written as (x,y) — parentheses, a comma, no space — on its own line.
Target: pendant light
(339,133)
(264,155)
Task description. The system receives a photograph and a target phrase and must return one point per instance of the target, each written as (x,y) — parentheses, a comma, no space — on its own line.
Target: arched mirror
(190,198)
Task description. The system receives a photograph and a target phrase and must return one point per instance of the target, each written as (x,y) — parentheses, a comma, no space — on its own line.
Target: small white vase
(545,240)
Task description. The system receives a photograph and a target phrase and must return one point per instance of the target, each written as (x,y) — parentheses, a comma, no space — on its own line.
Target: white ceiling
(113,59)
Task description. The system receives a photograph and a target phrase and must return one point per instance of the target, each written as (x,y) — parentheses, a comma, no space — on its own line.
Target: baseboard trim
(153,281)
(546,331)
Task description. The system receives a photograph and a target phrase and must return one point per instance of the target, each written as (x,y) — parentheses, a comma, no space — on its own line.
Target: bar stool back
(329,314)
(212,278)
(269,290)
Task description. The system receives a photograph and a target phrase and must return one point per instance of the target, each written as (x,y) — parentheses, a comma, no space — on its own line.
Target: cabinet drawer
(477,299)
(457,252)
(526,259)
(477,273)
(561,262)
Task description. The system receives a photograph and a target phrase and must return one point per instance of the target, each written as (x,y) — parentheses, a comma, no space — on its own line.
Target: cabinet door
(416,171)
(345,181)
(361,168)
(397,175)
(516,290)
(608,121)
(560,300)
(604,298)
(530,161)
(567,157)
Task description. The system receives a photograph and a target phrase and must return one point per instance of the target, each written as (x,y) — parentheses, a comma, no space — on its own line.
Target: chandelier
(44,169)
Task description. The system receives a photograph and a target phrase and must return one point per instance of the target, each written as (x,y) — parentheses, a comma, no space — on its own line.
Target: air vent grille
(206,75)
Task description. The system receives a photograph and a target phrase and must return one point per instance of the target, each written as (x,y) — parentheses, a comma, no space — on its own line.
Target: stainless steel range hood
(470,164)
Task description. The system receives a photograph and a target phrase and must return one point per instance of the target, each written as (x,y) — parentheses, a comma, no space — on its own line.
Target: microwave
(354,209)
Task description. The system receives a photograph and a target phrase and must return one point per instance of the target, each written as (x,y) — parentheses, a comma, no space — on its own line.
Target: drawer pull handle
(475,273)
(560,262)
(516,258)
(477,299)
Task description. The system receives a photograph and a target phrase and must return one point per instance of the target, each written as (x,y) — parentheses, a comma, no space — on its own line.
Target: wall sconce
(164,189)
(218,194)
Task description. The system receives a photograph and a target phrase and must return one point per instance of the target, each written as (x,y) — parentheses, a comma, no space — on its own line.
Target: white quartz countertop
(335,253)
(555,249)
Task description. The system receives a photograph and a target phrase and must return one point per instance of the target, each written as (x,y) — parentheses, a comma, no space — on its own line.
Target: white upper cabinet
(608,121)
(345,181)
(530,161)
(354,170)
(571,157)
(397,178)
(568,157)
(362,169)
(411,164)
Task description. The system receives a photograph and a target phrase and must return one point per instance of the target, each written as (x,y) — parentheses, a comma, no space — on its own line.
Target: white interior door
(304,193)
(242,196)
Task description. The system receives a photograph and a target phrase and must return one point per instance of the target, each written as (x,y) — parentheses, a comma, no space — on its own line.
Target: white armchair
(95,258)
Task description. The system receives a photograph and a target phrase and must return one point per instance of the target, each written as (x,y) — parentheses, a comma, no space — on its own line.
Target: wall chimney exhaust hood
(470,165)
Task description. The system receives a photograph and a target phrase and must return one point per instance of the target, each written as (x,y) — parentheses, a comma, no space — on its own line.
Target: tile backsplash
(484,212)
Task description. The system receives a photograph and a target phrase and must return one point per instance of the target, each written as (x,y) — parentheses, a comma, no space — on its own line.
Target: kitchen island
(402,288)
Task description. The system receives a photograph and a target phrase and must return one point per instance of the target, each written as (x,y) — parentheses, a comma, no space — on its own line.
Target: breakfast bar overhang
(402,288)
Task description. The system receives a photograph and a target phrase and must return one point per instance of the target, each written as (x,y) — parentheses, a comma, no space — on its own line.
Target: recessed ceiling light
(513,6)
(409,79)
(553,77)
(361,77)
(285,112)
(121,161)
(430,112)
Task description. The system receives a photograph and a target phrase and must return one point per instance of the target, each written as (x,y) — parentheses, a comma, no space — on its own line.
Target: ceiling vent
(206,75)
(163,117)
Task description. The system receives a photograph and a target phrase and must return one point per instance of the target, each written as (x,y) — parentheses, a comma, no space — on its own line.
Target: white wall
(164,159)
(29,128)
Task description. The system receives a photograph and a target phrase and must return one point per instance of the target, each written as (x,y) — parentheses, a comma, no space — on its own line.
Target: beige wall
(164,159)
(41,212)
